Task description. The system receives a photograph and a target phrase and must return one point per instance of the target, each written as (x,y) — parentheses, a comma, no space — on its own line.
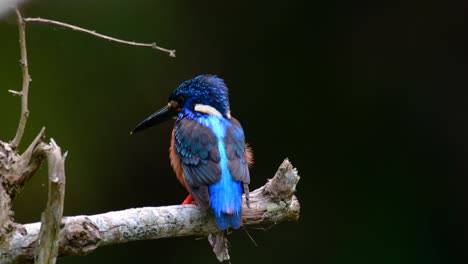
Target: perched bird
(208,151)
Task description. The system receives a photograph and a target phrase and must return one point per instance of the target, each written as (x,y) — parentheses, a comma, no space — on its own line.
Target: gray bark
(270,204)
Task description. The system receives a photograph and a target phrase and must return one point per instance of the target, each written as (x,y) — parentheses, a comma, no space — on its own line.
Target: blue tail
(223,221)
(226,201)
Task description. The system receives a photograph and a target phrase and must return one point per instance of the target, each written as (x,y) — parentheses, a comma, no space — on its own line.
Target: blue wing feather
(194,144)
(236,152)
(213,157)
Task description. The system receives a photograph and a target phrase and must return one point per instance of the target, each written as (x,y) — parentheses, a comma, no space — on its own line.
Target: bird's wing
(236,151)
(197,150)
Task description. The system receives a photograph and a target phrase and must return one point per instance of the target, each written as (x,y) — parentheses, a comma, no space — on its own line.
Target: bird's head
(204,94)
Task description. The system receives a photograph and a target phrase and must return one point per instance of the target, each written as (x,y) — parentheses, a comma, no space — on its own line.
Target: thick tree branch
(26,80)
(91,32)
(80,235)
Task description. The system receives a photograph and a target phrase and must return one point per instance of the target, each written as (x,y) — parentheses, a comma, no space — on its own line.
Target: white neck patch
(207,110)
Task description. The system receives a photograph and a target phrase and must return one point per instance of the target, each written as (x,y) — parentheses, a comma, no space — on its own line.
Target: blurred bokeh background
(368,101)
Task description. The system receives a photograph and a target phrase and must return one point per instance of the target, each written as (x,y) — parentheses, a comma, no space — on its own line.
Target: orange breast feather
(175,163)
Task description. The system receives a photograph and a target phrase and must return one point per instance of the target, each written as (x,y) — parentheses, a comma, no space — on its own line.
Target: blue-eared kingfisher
(207,151)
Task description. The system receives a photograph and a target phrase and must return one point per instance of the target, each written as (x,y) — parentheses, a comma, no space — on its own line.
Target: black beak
(158,117)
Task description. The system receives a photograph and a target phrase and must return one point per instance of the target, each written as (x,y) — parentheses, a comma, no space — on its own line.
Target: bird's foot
(189,200)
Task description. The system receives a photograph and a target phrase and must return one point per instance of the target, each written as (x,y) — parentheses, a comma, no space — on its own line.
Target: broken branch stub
(48,244)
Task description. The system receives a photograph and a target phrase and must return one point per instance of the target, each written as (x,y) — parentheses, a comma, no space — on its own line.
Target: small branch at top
(26,80)
(91,32)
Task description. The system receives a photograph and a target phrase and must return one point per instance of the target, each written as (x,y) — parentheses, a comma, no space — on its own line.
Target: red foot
(189,200)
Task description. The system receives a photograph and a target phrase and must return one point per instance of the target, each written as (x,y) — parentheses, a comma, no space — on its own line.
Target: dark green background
(367,101)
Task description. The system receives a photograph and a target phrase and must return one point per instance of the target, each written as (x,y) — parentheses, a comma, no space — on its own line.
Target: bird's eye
(180,100)
(177,102)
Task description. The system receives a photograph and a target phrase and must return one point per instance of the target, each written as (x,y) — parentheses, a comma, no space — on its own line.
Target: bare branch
(81,235)
(220,245)
(91,32)
(48,242)
(26,80)
(13,92)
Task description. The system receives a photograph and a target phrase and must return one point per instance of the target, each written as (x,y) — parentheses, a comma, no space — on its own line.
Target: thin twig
(91,32)
(13,92)
(251,238)
(26,80)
